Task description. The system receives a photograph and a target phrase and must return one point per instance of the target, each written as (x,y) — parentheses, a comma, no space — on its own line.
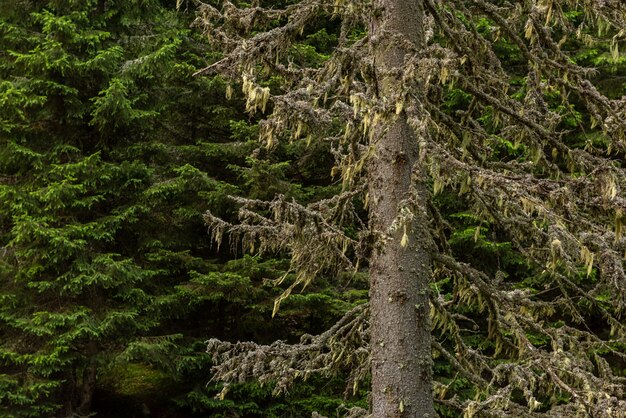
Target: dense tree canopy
(84,262)
(111,151)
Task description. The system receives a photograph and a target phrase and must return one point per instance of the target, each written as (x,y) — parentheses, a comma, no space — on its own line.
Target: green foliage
(112,109)
(110,151)
(104,175)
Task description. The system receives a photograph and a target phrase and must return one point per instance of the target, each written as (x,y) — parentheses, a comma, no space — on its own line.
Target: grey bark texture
(399,274)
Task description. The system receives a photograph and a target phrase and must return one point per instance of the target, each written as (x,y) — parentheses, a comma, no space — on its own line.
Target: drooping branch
(312,235)
(567,364)
(342,347)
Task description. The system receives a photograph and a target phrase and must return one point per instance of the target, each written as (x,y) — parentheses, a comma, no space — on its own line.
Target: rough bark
(399,269)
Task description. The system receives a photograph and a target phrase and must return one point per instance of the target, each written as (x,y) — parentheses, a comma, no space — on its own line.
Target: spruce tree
(99,192)
(385,100)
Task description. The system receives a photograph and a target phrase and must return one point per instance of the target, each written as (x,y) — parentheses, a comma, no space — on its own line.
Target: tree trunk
(399,269)
(87,389)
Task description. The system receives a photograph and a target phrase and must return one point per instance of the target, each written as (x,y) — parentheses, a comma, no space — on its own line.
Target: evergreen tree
(99,193)
(420,103)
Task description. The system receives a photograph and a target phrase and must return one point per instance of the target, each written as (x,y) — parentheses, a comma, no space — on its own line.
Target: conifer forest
(312,208)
